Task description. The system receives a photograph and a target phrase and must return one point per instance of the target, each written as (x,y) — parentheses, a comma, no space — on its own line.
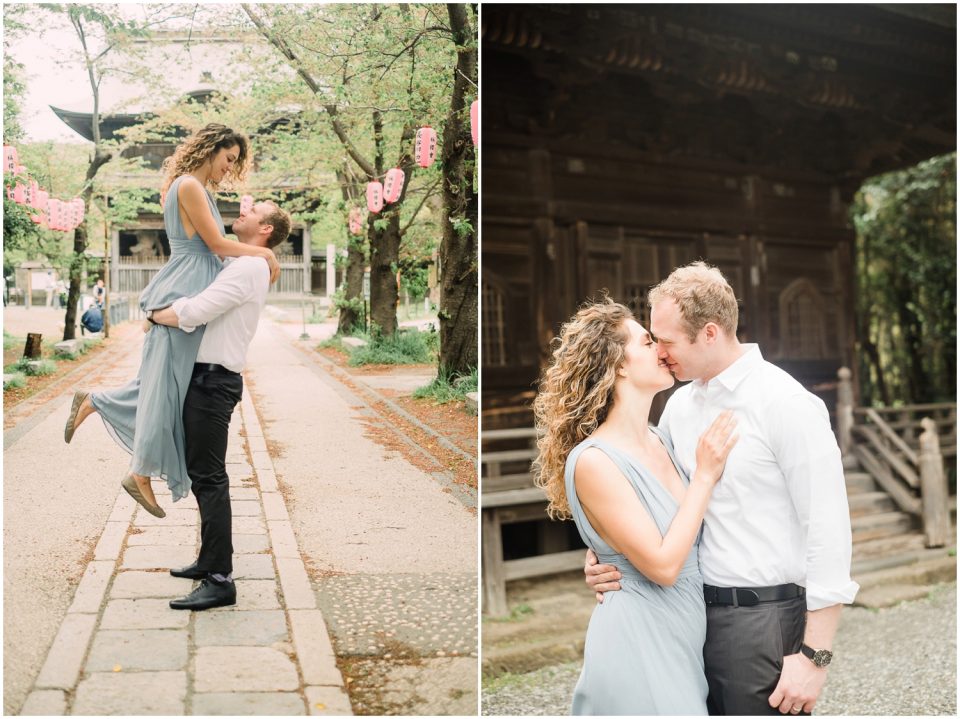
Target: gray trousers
(744,651)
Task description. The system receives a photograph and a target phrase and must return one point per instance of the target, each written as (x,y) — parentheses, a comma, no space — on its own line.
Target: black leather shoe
(189,572)
(209,594)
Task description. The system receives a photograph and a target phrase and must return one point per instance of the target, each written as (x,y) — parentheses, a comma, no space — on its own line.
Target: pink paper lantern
(19,193)
(246,204)
(475,121)
(29,193)
(10,160)
(425,149)
(40,202)
(374,197)
(356,221)
(393,185)
(53,213)
(80,210)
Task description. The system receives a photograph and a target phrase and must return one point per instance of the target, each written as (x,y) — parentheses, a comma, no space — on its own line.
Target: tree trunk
(350,316)
(458,248)
(384,260)
(100,158)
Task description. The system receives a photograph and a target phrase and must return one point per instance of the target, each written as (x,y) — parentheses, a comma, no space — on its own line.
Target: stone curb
(324,686)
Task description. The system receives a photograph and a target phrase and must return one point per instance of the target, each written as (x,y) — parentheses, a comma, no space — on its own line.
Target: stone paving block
(140,585)
(261,460)
(244,669)
(283,539)
(138,650)
(260,628)
(248,704)
(274,507)
(245,508)
(92,587)
(245,494)
(62,666)
(111,541)
(143,614)
(122,508)
(133,694)
(256,594)
(297,592)
(256,444)
(174,517)
(328,701)
(267,479)
(152,557)
(239,470)
(183,535)
(250,543)
(45,702)
(249,525)
(314,650)
(253,566)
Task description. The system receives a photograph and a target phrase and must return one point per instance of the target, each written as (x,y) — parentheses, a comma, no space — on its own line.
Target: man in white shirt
(230,309)
(776,545)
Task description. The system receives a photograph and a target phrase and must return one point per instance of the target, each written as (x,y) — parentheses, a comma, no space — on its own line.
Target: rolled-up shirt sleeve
(232,287)
(808,455)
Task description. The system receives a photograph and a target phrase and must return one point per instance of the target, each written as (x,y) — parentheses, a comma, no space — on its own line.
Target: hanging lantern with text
(474,120)
(53,213)
(393,185)
(40,204)
(425,149)
(19,193)
(80,209)
(356,221)
(28,193)
(10,161)
(246,204)
(374,197)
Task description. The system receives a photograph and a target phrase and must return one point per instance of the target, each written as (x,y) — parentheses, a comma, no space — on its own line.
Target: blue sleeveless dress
(145,417)
(644,645)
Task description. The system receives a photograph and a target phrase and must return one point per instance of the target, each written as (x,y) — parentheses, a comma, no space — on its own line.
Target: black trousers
(744,651)
(206,418)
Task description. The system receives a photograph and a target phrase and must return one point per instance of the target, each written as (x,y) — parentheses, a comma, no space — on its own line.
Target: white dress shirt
(230,308)
(779,513)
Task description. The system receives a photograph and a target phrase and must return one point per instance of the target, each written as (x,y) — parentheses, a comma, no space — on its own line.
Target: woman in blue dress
(602,464)
(145,416)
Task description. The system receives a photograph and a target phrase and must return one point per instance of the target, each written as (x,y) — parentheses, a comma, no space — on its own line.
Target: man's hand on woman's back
(600,577)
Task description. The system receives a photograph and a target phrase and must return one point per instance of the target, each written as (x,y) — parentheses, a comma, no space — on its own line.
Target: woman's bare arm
(193,202)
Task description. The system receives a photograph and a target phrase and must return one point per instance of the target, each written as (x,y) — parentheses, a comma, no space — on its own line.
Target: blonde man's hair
(576,392)
(279,219)
(703,295)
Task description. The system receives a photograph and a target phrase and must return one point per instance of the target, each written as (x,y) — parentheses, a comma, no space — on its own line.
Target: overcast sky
(51,81)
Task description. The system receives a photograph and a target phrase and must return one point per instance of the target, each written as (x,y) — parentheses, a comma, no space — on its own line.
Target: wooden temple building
(621,141)
(138,252)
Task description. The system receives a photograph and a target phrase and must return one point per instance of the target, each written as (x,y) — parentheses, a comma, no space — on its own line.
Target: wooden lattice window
(493,323)
(803,331)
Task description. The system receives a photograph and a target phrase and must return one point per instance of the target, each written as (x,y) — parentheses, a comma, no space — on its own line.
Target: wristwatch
(820,657)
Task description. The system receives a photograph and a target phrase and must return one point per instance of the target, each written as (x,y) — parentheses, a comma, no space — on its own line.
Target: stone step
(886,524)
(863,503)
(859,482)
(887,547)
(885,587)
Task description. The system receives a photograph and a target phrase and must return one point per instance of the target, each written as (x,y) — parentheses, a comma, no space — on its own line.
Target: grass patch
(18,381)
(448,388)
(402,347)
(517,612)
(10,342)
(42,368)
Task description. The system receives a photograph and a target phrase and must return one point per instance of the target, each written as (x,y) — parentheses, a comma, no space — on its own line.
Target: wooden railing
(908,451)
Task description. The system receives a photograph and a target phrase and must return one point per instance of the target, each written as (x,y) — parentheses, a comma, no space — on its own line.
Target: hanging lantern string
(460,73)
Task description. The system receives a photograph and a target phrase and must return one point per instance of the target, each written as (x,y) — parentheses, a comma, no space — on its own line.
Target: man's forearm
(822,627)
(166,316)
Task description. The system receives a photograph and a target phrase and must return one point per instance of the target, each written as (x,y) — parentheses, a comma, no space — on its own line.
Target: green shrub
(446,388)
(15,382)
(44,368)
(9,341)
(403,347)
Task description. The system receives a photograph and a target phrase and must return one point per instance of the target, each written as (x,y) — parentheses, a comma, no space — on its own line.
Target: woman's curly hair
(200,147)
(576,392)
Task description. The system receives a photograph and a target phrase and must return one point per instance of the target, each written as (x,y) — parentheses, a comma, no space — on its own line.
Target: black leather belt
(210,367)
(749,597)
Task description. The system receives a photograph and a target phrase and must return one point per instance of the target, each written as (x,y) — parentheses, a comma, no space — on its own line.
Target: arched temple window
(803,332)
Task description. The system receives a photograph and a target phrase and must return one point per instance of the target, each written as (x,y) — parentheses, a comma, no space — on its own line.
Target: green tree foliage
(907,284)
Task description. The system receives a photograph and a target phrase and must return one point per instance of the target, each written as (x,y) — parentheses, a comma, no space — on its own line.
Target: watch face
(822,657)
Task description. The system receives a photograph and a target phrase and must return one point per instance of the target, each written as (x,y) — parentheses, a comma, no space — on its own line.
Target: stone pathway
(122,651)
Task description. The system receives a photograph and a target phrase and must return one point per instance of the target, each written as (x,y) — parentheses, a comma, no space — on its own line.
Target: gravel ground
(896,661)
